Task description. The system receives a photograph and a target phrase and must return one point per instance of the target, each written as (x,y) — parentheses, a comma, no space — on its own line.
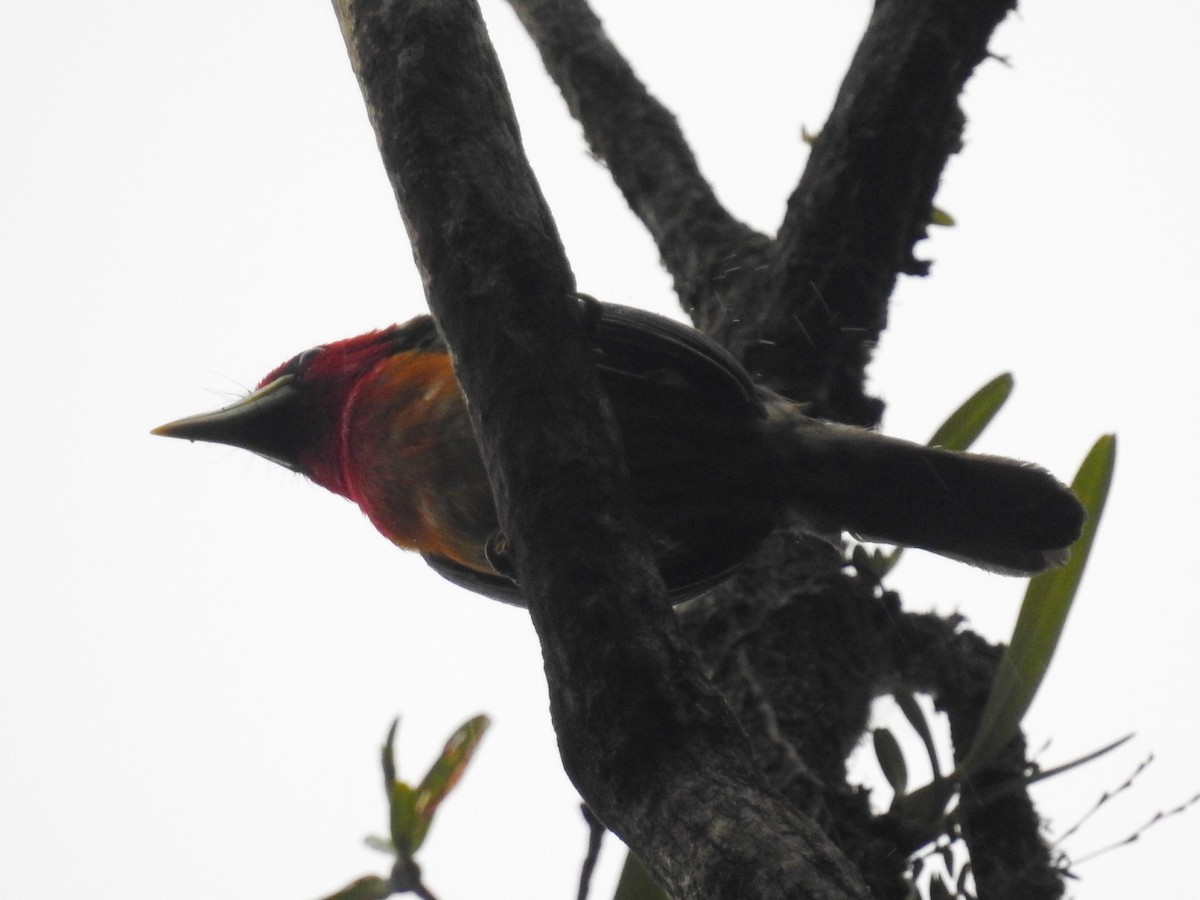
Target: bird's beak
(266,423)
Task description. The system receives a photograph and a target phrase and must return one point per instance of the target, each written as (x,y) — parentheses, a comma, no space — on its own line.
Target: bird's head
(295,416)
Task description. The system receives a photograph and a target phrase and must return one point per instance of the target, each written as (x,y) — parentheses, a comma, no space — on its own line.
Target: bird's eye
(304,360)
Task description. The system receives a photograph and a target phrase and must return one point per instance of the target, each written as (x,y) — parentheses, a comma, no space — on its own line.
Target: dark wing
(635,343)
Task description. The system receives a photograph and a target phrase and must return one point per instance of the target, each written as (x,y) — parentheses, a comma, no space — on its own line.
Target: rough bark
(652,747)
(798,644)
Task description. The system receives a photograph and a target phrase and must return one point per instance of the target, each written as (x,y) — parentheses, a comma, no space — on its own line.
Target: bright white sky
(200,653)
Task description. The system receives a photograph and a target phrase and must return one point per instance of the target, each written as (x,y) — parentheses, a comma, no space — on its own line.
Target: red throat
(410,461)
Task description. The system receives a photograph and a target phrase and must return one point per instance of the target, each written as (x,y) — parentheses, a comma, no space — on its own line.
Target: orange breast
(413,464)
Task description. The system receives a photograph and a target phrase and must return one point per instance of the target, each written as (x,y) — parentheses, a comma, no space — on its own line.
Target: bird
(716,462)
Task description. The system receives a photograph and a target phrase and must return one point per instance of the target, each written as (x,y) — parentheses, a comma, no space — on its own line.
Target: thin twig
(596,831)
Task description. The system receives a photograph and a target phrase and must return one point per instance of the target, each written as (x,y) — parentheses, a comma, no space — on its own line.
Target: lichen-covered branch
(801,672)
(866,195)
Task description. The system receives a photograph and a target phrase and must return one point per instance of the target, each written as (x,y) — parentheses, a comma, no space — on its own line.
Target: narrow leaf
(891,760)
(941,217)
(389,758)
(1042,618)
(383,845)
(444,774)
(1021,782)
(1079,761)
(916,718)
(369,887)
(635,882)
(967,422)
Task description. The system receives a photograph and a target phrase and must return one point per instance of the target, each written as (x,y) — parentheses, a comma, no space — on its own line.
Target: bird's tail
(1000,514)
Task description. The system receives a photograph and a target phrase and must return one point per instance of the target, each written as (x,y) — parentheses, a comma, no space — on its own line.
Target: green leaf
(891,760)
(389,759)
(1079,761)
(941,217)
(369,887)
(446,771)
(962,429)
(635,882)
(383,845)
(407,826)
(402,816)
(1042,618)
(968,421)
(410,810)
(444,774)
(1021,782)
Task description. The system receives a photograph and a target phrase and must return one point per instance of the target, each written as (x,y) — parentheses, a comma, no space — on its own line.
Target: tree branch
(801,672)
(701,244)
(813,662)
(866,196)
(652,747)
